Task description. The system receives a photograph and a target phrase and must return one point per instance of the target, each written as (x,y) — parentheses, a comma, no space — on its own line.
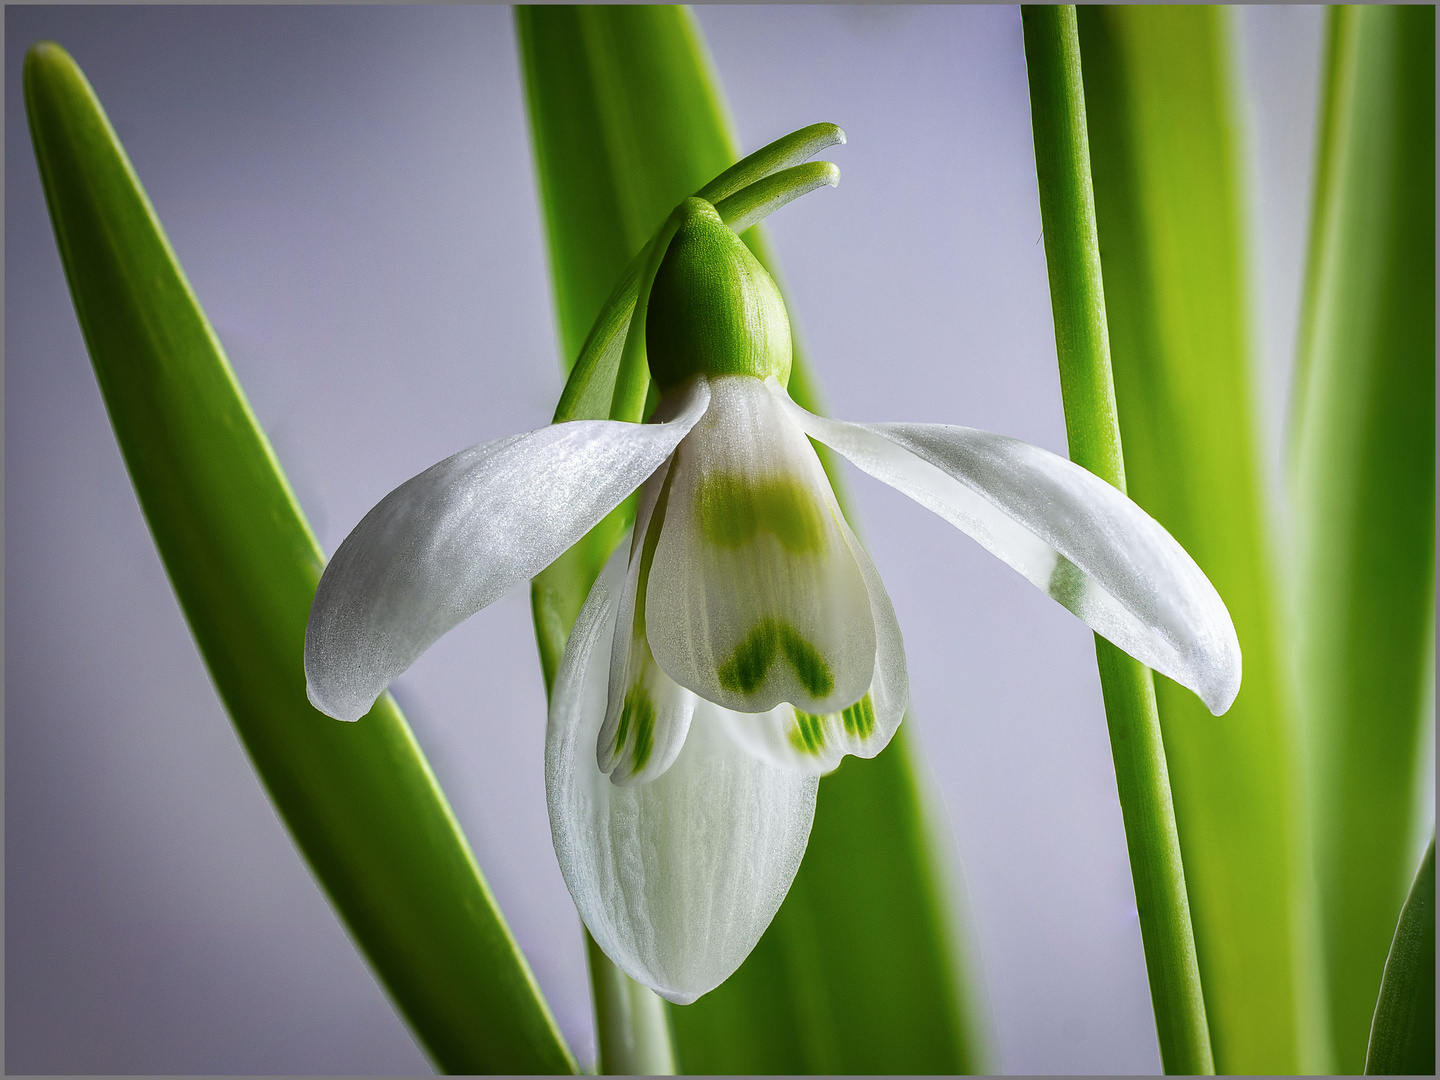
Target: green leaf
(1363,476)
(1167,181)
(1402,1034)
(359,799)
(859,970)
(1077,299)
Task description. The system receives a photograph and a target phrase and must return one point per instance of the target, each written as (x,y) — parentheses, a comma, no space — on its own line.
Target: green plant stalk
(627,121)
(1363,480)
(1072,256)
(359,799)
(632,1030)
(1165,154)
(1402,1034)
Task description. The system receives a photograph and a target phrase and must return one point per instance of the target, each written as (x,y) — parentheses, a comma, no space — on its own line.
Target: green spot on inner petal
(808,663)
(638,710)
(808,733)
(733,509)
(747,667)
(859,719)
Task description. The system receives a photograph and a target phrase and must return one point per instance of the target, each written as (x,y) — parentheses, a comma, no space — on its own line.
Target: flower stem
(632,1031)
(1072,256)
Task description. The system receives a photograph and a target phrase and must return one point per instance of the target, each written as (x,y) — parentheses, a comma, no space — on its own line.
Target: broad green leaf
(359,799)
(1167,182)
(859,971)
(1363,477)
(1402,1034)
(1077,301)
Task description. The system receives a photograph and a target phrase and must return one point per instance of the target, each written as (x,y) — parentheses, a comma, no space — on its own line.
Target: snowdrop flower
(741,643)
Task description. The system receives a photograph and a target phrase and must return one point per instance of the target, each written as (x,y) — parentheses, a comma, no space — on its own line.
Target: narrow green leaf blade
(1364,489)
(1167,187)
(359,799)
(1402,1035)
(859,971)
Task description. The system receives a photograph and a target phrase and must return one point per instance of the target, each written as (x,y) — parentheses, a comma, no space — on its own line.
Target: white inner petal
(1070,533)
(816,744)
(754,595)
(677,878)
(647,713)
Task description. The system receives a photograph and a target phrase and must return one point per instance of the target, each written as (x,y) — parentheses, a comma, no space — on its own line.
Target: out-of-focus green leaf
(1363,476)
(359,798)
(1092,430)
(1165,160)
(1402,1035)
(859,971)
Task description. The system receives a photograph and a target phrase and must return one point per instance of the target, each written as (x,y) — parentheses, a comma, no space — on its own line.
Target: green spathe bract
(714,310)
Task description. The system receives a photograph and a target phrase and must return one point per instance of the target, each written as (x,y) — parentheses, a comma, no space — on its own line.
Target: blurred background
(350,192)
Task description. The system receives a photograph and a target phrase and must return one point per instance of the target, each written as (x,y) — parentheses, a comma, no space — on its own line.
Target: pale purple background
(350,192)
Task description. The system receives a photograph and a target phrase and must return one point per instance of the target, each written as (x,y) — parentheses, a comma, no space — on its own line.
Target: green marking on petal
(1067,582)
(808,733)
(747,667)
(640,711)
(859,719)
(623,728)
(808,663)
(733,509)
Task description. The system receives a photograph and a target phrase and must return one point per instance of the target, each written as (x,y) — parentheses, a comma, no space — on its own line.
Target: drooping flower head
(741,643)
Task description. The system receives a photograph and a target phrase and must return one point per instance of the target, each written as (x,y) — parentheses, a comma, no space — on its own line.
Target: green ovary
(747,667)
(734,509)
(638,710)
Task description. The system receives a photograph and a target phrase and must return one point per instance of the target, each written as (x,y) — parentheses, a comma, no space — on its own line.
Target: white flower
(741,643)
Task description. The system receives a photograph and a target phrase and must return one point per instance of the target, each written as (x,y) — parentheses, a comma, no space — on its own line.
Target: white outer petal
(678,878)
(1074,536)
(449,541)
